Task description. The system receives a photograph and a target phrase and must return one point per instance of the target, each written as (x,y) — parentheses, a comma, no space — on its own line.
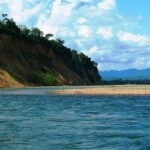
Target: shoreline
(106,90)
(92,90)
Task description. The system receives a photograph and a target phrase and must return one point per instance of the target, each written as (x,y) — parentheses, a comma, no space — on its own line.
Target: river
(32,119)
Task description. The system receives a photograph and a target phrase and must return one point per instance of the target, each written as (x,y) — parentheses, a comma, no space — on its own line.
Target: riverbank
(107,90)
(7,81)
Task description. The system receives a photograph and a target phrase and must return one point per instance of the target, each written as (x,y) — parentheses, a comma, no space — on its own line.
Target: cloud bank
(94,27)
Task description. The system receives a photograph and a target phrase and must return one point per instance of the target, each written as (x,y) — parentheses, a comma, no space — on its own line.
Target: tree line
(122,82)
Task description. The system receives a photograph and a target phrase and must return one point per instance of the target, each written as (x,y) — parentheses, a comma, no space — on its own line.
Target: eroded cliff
(35,64)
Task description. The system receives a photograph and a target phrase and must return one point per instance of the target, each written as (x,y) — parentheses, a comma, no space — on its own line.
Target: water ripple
(43,122)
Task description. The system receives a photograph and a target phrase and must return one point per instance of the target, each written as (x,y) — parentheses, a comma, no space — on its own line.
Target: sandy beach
(107,90)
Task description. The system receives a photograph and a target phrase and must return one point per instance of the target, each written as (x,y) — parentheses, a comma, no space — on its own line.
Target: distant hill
(129,74)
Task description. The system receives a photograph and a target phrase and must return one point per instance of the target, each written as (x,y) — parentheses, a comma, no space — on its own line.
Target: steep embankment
(6,80)
(35,64)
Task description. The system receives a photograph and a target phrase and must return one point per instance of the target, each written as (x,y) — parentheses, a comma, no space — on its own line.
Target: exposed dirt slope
(6,80)
(23,60)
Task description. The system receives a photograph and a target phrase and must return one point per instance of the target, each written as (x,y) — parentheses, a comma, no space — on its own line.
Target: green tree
(24,30)
(5,18)
(36,33)
(60,41)
(4,15)
(9,25)
(48,36)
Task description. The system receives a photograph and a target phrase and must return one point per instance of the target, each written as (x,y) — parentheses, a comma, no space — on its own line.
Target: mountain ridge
(127,74)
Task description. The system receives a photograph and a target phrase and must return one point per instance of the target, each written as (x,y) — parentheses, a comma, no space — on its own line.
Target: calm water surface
(30,119)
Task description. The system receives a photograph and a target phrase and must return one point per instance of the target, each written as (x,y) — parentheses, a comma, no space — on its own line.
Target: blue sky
(114,33)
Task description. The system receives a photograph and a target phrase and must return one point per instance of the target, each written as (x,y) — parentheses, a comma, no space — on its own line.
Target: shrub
(43,78)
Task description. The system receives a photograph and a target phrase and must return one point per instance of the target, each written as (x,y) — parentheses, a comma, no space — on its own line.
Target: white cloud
(31,1)
(82,20)
(107,4)
(44,24)
(84,31)
(79,43)
(105,32)
(61,12)
(141,62)
(58,18)
(86,0)
(119,16)
(18,12)
(92,50)
(133,38)
(91,26)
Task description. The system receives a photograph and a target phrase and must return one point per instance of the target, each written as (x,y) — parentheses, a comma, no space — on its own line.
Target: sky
(114,33)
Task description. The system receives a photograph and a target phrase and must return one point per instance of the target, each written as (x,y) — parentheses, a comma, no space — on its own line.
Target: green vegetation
(77,62)
(44,77)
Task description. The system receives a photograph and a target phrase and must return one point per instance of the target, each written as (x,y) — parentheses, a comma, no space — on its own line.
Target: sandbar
(106,90)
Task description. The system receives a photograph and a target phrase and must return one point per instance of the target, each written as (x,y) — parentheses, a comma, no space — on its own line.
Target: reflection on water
(37,91)
(29,91)
(38,121)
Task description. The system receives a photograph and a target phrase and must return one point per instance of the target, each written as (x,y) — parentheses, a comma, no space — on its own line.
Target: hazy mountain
(129,74)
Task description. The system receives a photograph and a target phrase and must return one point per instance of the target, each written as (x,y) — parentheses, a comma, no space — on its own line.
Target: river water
(31,119)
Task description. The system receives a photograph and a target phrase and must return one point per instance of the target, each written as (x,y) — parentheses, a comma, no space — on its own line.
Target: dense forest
(78,62)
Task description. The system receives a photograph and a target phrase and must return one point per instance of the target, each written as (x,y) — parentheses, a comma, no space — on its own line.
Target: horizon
(113,33)
(125,69)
